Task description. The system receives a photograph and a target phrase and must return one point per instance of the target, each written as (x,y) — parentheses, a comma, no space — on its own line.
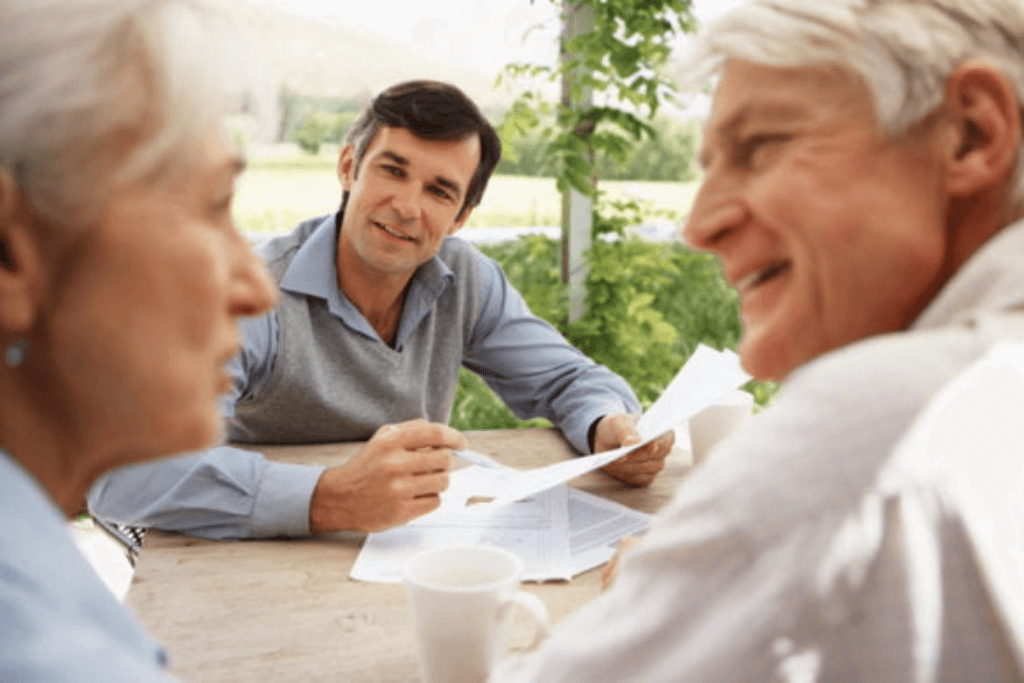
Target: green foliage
(477,407)
(318,127)
(763,393)
(313,130)
(648,304)
(668,156)
(658,301)
(623,328)
(619,59)
(532,264)
(342,121)
(294,108)
(311,121)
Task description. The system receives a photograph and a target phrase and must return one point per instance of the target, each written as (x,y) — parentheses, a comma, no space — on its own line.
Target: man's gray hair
(904,50)
(95,94)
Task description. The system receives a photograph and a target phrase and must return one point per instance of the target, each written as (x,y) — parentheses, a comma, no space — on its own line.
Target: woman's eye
(221,207)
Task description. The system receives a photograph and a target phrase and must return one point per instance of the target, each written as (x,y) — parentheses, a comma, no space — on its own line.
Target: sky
(495,32)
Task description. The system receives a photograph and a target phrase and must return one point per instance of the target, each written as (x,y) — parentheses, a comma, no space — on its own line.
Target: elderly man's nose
(710,220)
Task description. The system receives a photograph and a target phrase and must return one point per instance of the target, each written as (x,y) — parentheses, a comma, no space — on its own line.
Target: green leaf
(641,301)
(626,61)
(664,333)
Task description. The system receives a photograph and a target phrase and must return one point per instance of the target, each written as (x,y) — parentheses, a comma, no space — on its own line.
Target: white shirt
(789,555)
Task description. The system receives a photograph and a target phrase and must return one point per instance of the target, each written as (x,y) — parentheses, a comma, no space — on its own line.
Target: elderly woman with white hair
(863,193)
(122,277)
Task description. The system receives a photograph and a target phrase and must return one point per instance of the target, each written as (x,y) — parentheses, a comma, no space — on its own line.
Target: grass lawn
(276,193)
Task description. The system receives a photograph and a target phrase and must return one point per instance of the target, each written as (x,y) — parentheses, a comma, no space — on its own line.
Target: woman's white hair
(904,50)
(95,94)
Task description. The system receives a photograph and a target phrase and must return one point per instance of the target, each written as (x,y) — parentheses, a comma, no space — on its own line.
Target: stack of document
(557,530)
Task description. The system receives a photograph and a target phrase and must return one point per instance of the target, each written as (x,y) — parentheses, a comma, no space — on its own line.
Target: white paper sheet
(706,377)
(596,525)
(535,529)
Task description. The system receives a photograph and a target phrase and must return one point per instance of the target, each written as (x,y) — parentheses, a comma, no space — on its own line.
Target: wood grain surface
(286,610)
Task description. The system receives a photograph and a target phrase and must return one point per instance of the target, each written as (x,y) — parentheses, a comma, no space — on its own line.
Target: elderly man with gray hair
(863,192)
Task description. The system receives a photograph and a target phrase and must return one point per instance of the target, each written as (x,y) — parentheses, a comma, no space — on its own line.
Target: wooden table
(286,610)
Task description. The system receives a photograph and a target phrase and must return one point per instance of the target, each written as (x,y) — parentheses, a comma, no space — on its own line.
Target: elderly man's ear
(20,262)
(983,139)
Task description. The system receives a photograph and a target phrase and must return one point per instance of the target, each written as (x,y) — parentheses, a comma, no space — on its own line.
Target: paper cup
(714,423)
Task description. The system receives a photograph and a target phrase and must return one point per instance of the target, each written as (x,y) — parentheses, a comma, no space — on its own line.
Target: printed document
(558,531)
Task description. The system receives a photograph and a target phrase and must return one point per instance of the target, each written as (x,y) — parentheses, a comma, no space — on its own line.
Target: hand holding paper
(640,466)
(707,376)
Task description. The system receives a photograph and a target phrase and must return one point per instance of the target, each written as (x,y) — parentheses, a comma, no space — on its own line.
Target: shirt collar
(427,284)
(991,280)
(313,269)
(313,272)
(430,279)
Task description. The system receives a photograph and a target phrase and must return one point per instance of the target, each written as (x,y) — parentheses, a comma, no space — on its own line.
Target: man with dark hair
(433,111)
(379,307)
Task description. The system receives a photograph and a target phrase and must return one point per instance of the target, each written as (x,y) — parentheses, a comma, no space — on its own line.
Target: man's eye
(393,170)
(440,192)
(750,150)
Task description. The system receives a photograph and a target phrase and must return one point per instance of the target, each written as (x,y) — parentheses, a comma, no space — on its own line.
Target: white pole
(577,208)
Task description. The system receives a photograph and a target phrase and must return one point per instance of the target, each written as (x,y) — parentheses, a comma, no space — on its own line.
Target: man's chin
(765,357)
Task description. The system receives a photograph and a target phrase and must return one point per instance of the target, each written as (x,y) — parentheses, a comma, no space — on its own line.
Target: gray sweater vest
(332,383)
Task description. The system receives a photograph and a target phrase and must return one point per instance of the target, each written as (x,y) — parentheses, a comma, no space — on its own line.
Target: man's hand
(398,476)
(639,467)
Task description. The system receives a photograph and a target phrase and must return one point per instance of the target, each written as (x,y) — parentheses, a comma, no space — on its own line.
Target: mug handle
(537,610)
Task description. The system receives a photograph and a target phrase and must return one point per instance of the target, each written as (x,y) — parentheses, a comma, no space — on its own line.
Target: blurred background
(648,300)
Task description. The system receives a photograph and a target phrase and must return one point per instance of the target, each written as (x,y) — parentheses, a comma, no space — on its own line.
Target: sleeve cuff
(577,429)
(282,505)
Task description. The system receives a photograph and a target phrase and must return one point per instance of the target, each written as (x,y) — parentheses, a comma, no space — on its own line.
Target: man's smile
(760,276)
(391,231)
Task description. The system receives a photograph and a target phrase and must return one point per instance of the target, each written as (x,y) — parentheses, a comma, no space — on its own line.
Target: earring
(14,354)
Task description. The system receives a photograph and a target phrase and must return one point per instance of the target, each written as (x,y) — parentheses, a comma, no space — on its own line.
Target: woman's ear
(21,266)
(985,133)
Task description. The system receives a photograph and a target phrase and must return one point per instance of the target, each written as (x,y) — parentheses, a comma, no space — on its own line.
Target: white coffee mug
(717,421)
(460,600)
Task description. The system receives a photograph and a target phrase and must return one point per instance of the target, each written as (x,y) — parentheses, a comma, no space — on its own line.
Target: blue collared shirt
(58,621)
(227,492)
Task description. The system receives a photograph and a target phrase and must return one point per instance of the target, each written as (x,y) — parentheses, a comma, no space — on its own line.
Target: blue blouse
(58,620)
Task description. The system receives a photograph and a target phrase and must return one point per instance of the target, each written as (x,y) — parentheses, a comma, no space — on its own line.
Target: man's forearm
(221,493)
